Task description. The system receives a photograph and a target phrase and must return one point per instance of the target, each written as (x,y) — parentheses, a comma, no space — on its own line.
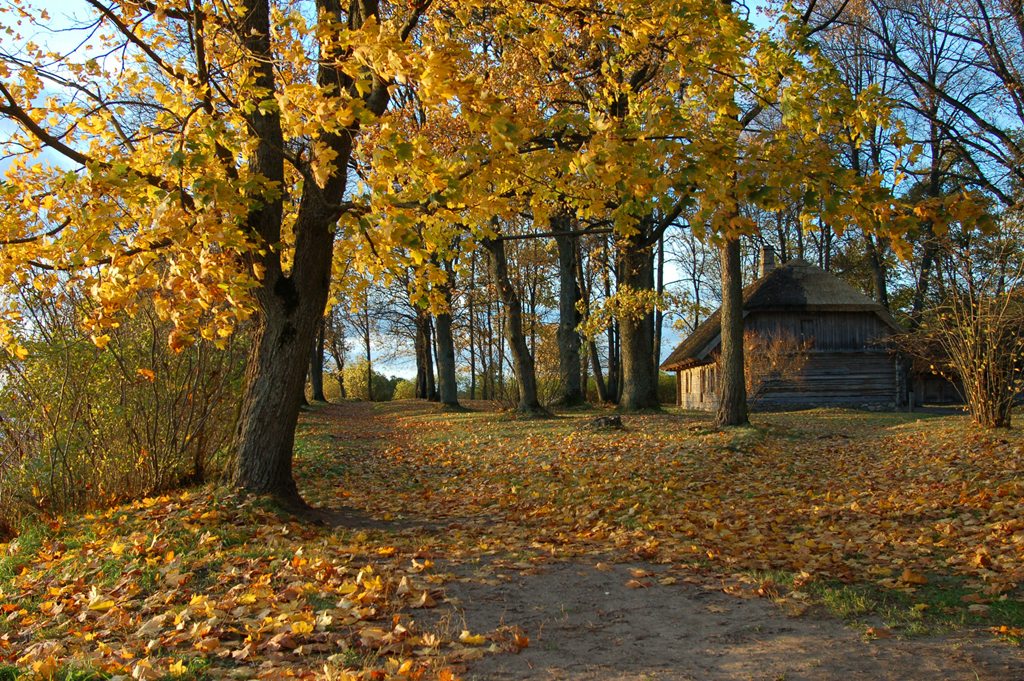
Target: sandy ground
(586,624)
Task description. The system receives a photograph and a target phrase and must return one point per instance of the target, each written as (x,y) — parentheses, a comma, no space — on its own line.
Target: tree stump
(607,423)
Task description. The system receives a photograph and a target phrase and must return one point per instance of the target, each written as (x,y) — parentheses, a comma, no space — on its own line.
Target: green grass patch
(942,605)
(21,552)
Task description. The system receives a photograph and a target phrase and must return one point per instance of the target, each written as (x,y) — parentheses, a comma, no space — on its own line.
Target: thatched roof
(796,286)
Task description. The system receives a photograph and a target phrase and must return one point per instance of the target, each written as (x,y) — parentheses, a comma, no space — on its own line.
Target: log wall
(847,365)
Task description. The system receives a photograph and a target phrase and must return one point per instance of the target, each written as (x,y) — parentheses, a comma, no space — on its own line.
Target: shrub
(771,359)
(83,427)
(356,386)
(404,390)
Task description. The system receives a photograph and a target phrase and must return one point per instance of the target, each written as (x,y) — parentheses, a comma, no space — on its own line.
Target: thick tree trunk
(636,329)
(569,370)
(274,377)
(316,364)
(448,386)
(522,361)
(732,392)
(288,306)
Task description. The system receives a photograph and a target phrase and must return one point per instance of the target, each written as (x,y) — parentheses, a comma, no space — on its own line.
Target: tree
(448,386)
(316,362)
(571,391)
(337,347)
(363,383)
(522,358)
(211,170)
(975,335)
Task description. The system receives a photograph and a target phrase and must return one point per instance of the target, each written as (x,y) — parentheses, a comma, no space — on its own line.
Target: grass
(938,607)
(22,551)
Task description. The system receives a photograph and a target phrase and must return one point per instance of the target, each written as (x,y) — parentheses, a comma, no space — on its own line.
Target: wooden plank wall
(825,330)
(856,379)
(847,365)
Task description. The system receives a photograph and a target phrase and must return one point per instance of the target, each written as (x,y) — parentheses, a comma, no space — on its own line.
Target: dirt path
(585,624)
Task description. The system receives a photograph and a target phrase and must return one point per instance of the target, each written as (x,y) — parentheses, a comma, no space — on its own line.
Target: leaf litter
(202,584)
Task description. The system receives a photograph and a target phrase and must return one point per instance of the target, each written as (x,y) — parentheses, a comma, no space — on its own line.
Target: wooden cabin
(839,332)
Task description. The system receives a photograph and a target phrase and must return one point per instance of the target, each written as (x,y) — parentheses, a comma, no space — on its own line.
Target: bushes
(404,390)
(356,385)
(82,428)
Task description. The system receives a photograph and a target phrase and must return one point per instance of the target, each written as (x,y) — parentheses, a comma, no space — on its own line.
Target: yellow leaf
(302,627)
(177,669)
(98,602)
(46,669)
(472,639)
(117,548)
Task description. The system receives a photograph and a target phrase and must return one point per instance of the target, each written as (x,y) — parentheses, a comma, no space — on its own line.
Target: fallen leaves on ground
(203,583)
(183,585)
(853,496)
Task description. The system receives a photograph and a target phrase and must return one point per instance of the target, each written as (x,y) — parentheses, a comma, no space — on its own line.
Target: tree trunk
(489,362)
(428,345)
(288,306)
(500,351)
(448,386)
(636,329)
(470,295)
(595,365)
(369,355)
(659,314)
(338,349)
(316,364)
(732,392)
(569,370)
(522,361)
(274,378)
(877,271)
(613,341)
(419,346)
(595,359)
